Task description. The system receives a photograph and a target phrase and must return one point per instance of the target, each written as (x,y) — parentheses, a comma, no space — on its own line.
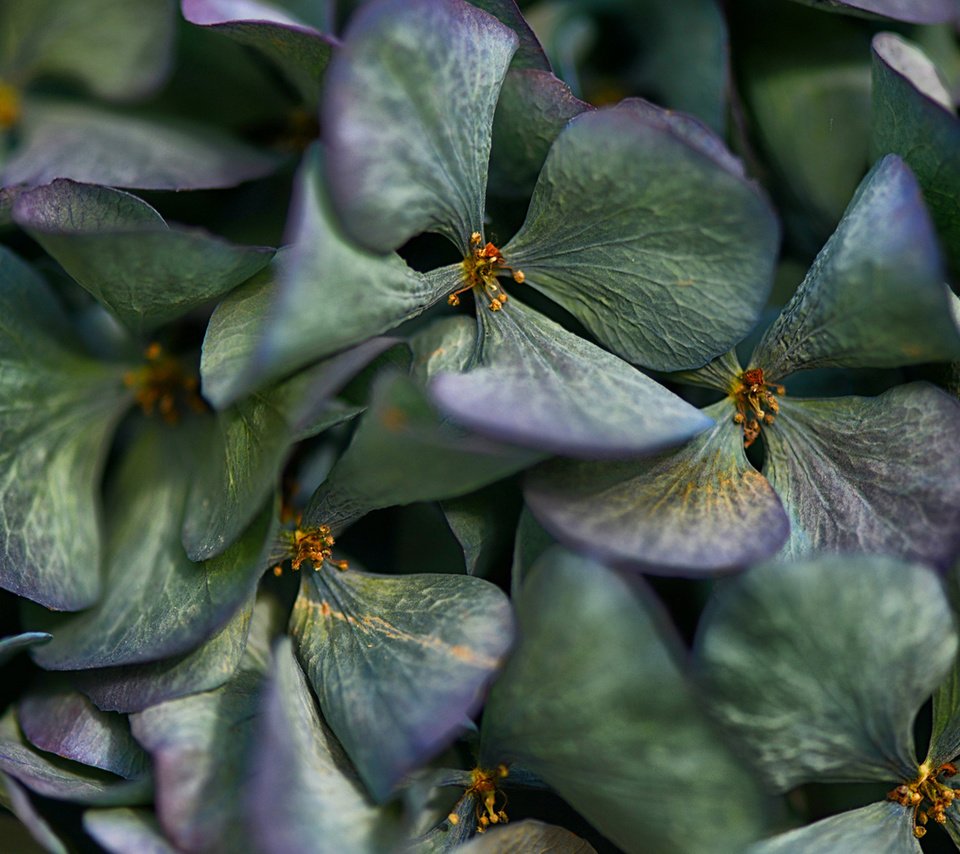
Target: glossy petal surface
(409,108)
(878,475)
(398,662)
(11,645)
(875,295)
(539,386)
(820,667)
(618,734)
(664,256)
(697,510)
(122,830)
(59,411)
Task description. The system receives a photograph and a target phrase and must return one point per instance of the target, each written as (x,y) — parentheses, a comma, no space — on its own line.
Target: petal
(911,11)
(122,830)
(408,111)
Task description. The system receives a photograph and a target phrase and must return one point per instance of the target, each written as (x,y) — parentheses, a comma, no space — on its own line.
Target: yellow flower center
(483,788)
(756,402)
(926,787)
(162,385)
(312,544)
(10,107)
(480,270)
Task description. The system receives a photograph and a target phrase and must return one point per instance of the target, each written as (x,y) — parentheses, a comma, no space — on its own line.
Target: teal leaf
(200,747)
(881,828)
(913,117)
(120,250)
(911,11)
(398,662)
(134,687)
(538,385)
(53,777)
(253,440)
(157,602)
(323,295)
(699,510)
(63,139)
(59,720)
(304,793)
(301,52)
(408,111)
(613,725)
(402,452)
(530,543)
(483,523)
(11,645)
(118,49)
(122,830)
(875,295)
(533,108)
(878,475)
(527,836)
(60,409)
(662,253)
(15,799)
(820,667)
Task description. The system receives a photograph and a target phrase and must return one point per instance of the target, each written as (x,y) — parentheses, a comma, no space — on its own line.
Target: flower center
(10,109)
(926,787)
(163,385)
(756,402)
(312,544)
(484,788)
(480,270)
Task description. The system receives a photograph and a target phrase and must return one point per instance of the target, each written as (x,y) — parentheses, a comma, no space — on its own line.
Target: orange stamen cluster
(926,787)
(756,402)
(480,270)
(10,107)
(484,787)
(162,384)
(312,544)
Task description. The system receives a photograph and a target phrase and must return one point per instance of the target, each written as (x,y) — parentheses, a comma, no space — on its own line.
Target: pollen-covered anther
(162,385)
(309,544)
(756,403)
(926,787)
(480,271)
(484,788)
(10,107)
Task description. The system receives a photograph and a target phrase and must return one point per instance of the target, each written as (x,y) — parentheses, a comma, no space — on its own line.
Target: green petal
(409,108)
(301,52)
(123,830)
(883,828)
(158,603)
(911,119)
(116,48)
(820,667)
(663,254)
(613,725)
(321,295)
(305,794)
(63,139)
(59,409)
(875,295)
(701,509)
(945,738)
(533,108)
(134,687)
(200,747)
(251,444)
(527,836)
(53,777)
(16,800)
(529,52)
(878,475)
(398,662)
(121,251)
(540,386)
(61,721)
(402,452)
(484,524)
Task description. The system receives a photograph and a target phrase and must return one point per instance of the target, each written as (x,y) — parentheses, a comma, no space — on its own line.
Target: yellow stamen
(927,786)
(309,544)
(480,270)
(162,384)
(756,402)
(484,787)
